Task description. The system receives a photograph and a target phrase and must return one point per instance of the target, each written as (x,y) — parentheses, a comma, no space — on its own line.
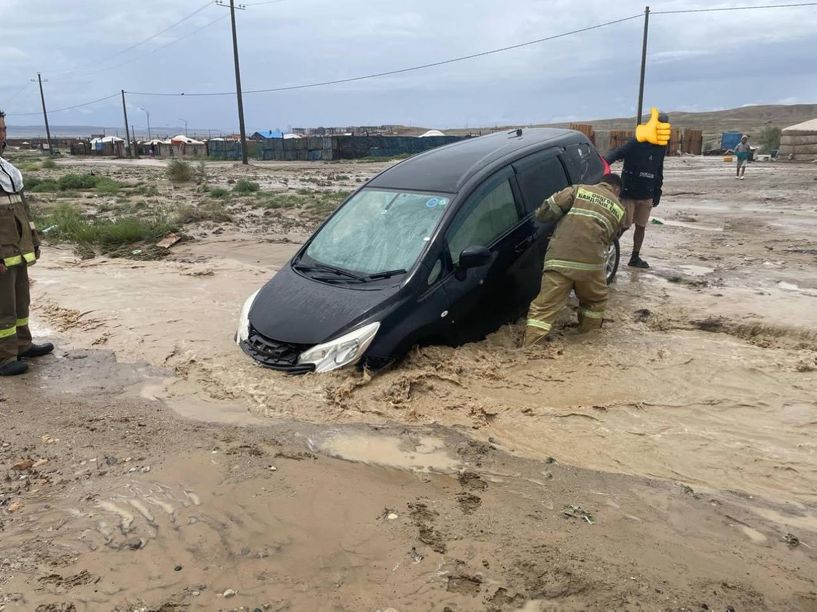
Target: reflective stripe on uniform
(22,322)
(16,260)
(8,332)
(573,265)
(610,205)
(592,314)
(539,324)
(583,212)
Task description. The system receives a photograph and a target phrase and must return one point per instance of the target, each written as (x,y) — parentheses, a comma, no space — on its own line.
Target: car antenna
(516,132)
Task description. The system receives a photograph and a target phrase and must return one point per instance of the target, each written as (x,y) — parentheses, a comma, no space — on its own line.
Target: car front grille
(275,354)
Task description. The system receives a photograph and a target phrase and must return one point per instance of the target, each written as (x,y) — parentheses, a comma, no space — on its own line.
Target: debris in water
(229,593)
(168,241)
(792,540)
(22,465)
(579,513)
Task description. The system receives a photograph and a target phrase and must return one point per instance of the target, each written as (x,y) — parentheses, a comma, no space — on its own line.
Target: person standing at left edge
(19,249)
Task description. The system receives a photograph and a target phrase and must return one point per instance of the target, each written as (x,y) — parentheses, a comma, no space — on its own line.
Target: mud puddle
(424,454)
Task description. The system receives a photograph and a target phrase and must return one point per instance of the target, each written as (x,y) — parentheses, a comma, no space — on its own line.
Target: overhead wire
(154,50)
(59,110)
(18,92)
(399,70)
(733,8)
(149,38)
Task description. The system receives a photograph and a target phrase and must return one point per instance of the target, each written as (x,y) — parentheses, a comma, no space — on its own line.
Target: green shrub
(30,167)
(243,186)
(107,185)
(77,181)
(37,185)
(69,225)
(49,164)
(219,193)
(770,139)
(206,211)
(179,171)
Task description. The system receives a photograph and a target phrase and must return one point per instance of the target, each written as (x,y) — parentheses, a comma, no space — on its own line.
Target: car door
(491,217)
(539,176)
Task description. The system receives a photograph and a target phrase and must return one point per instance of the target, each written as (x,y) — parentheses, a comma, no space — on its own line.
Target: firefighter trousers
(591,289)
(15,336)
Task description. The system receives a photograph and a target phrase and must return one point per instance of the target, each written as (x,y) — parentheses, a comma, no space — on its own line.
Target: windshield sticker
(434,202)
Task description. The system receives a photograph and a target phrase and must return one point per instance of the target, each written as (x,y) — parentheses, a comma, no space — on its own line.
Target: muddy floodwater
(668,461)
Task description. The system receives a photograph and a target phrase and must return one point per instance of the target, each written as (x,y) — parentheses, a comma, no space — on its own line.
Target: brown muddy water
(703,377)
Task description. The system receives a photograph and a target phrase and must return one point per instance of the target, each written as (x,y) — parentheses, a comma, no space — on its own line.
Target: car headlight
(244,320)
(341,351)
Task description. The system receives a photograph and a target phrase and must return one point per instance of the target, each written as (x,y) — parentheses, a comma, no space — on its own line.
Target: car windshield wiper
(386,274)
(332,269)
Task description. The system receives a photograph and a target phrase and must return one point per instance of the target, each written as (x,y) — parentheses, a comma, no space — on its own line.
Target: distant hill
(749,119)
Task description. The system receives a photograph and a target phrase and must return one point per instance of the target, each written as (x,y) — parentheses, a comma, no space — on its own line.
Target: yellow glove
(654,131)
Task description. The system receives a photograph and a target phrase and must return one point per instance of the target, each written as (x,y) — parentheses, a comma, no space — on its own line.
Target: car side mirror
(474,257)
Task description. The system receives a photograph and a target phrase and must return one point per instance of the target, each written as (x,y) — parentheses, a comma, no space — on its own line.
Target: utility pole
(643,65)
(185,125)
(45,115)
(147,114)
(238,80)
(127,133)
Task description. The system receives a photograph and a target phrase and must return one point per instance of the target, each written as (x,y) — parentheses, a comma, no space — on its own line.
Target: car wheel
(613,256)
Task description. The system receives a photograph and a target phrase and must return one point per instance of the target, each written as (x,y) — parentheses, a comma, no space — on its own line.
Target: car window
(489,213)
(583,163)
(539,178)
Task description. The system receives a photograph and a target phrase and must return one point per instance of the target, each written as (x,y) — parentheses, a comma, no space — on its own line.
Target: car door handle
(524,244)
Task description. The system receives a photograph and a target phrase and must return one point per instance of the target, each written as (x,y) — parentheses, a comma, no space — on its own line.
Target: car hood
(298,310)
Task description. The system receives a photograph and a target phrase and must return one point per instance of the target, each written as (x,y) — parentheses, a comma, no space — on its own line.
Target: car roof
(448,168)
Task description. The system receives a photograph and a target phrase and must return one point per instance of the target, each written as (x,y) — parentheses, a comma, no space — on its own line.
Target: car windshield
(378,231)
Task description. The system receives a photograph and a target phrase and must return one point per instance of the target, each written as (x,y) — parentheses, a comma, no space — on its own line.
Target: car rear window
(539,177)
(583,163)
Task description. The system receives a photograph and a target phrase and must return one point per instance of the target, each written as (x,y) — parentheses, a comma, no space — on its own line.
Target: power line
(149,38)
(733,8)
(400,70)
(152,51)
(18,92)
(58,110)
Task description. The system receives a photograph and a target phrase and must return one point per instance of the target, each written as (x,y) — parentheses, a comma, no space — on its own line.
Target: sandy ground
(667,462)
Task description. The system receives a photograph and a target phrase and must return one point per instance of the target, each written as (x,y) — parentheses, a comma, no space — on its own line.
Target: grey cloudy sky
(696,62)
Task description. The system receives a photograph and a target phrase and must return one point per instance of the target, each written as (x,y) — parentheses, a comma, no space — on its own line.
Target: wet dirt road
(686,428)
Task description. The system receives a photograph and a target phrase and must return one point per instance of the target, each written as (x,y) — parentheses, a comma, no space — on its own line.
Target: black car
(440,248)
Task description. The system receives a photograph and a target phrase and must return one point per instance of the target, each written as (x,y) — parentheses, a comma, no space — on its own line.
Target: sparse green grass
(107,185)
(219,193)
(30,167)
(313,204)
(70,225)
(179,171)
(244,187)
(77,181)
(147,190)
(205,211)
(49,164)
(38,185)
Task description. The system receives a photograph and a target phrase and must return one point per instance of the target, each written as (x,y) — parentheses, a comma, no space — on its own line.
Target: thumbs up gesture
(654,131)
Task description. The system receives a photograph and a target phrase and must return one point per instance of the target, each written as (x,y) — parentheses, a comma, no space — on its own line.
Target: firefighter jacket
(643,173)
(592,220)
(18,238)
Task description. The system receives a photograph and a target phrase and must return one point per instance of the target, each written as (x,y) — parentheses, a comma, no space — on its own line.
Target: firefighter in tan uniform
(590,217)
(19,249)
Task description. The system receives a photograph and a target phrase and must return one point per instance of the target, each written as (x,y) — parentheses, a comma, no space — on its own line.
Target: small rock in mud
(229,593)
(642,315)
(22,465)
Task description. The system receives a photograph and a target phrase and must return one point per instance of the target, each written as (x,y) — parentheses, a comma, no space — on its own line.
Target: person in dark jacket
(643,177)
